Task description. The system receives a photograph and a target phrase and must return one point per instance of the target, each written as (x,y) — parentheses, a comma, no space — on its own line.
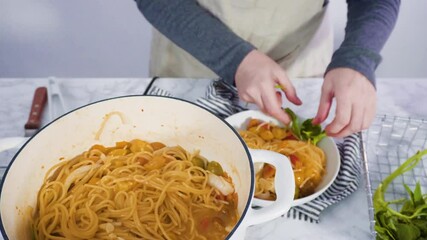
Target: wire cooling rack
(386,145)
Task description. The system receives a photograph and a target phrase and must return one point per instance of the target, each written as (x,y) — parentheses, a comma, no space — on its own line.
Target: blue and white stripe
(222,99)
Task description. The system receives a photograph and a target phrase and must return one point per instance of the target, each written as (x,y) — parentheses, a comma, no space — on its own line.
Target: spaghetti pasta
(308,161)
(135,190)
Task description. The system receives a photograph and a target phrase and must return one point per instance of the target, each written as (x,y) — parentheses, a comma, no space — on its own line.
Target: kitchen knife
(33,124)
(34,119)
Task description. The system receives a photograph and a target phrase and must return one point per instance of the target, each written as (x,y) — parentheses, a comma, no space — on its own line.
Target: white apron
(294,33)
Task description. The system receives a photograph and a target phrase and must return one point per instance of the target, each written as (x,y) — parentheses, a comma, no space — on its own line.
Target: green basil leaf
(311,132)
(294,124)
(422,225)
(407,208)
(418,196)
(407,231)
(411,195)
(411,221)
(319,137)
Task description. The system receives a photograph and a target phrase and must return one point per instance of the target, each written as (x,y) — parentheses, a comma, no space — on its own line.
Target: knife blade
(33,123)
(34,119)
(11,142)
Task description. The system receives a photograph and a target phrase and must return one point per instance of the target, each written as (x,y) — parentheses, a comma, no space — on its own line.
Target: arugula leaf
(294,123)
(422,225)
(378,199)
(418,196)
(312,132)
(383,226)
(307,131)
(407,231)
(409,205)
(407,208)
(411,221)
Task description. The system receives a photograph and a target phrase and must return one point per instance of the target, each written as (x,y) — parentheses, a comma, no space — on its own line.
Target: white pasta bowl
(152,118)
(240,120)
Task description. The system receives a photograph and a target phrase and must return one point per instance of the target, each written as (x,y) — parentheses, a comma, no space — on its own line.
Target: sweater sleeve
(198,32)
(369,24)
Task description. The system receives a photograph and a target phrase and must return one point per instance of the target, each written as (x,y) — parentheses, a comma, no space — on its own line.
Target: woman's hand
(356,102)
(256,78)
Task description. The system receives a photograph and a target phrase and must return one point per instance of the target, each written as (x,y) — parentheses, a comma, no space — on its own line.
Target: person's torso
(279,28)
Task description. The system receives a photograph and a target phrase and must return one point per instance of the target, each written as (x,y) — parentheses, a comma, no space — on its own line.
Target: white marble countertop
(16,96)
(346,220)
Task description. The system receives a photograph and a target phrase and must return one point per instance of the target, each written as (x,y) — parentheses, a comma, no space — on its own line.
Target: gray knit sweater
(190,26)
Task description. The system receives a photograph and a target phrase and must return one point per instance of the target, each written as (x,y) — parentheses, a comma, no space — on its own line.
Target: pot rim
(252,186)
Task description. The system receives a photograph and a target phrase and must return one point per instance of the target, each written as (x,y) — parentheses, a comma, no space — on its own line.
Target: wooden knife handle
(39,101)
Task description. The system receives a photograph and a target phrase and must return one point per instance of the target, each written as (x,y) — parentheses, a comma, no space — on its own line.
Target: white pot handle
(284,186)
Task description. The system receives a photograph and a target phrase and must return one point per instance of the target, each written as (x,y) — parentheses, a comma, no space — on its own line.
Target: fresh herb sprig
(410,223)
(307,131)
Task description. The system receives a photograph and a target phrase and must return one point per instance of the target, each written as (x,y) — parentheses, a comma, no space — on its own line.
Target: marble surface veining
(345,220)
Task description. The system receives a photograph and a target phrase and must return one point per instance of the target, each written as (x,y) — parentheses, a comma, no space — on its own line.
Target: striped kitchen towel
(222,99)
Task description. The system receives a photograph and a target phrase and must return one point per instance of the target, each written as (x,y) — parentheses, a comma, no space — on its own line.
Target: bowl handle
(284,185)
